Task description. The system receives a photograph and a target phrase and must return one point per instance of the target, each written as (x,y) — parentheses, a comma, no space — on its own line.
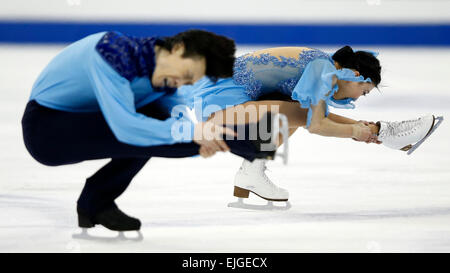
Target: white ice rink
(346,196)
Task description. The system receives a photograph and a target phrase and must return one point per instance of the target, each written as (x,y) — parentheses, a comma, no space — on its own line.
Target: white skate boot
(251,177)
(407,135)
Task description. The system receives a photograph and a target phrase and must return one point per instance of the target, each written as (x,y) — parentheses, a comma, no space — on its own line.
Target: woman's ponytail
(364,62)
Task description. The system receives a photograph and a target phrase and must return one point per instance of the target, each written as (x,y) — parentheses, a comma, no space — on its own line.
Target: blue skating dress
(306,79)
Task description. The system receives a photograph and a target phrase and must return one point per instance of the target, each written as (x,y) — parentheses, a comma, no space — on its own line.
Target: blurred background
(282,22)
(345,196)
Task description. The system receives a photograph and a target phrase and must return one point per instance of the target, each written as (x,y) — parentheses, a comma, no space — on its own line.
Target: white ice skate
(408,135)
(251,177)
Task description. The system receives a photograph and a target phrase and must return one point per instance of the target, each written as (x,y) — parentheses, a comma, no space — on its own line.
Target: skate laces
(400,128)
(267,179)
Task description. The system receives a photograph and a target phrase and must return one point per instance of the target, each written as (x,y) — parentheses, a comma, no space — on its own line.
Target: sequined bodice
(130,56)
(266,73)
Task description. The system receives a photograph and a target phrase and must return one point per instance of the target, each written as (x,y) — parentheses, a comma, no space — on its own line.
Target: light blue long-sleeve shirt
(79,79)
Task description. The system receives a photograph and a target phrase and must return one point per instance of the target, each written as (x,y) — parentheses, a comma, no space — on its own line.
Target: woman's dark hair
(362,61)
(218,50)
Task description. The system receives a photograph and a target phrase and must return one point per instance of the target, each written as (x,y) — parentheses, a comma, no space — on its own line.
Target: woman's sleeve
(315,84)
(116,101)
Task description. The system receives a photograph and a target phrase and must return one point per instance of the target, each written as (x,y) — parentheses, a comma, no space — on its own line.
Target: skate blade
(269,206)
(435,126)
(84,235)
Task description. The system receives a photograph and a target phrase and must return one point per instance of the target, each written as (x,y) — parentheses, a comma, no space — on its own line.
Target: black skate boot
(113,219)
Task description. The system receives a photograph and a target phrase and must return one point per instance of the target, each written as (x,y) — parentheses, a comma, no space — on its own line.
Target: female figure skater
(303,83)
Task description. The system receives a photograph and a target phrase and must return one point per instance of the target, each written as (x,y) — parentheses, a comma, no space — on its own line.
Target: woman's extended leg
(251,175)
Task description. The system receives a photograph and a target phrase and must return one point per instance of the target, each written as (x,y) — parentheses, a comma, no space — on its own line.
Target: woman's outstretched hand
(361,132)
(373,138)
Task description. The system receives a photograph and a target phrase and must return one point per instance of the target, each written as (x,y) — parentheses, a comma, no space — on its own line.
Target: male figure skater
(97,99)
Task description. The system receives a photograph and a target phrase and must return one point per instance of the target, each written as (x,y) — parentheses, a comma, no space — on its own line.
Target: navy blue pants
(57,138)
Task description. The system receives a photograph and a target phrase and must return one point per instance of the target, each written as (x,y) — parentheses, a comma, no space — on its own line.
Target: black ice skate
(112,219)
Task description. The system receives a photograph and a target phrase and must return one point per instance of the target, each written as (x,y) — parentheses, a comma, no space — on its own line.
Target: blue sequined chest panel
(265,73)
(131,57)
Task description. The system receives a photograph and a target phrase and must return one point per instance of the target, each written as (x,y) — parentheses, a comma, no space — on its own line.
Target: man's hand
(210,138)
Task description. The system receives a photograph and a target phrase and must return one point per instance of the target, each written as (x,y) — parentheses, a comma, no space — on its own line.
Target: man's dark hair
(362,61)
(218,50)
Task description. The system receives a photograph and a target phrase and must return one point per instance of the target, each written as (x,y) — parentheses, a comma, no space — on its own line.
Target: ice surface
(346,196)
